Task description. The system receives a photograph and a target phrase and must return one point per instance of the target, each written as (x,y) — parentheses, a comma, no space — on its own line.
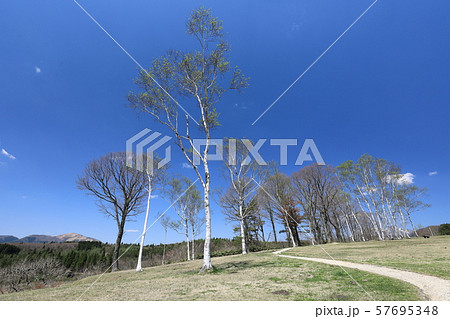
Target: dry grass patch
(258,276)
(429,256)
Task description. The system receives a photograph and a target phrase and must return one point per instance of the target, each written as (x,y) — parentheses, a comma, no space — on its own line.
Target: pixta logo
(150,144)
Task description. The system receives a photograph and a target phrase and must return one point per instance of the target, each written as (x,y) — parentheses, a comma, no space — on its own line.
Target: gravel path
(433,287)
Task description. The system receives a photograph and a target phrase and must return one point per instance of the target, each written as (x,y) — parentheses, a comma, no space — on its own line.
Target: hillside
(428,231)
(7,239)
(429,256)
(256,276)
(74,237)
(42,239)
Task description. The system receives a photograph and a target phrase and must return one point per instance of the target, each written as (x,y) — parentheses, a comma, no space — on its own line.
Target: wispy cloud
(242,107)
(186,165)
(406,179)
(5,153)
(37,69)
(401,179)
(154,196)
(131,231)
(432,173)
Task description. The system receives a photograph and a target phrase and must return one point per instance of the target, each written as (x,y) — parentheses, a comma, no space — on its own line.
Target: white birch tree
(155,179)
(199,75)
(241,174)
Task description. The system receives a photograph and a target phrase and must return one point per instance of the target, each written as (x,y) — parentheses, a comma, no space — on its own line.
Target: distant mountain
(42,239)
(37,239)
(7,239)
(74,237)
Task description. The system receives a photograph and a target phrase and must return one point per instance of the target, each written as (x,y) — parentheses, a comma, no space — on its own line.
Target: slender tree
(156,178)
(199,75)
(241,173)
(165,221)
(174,192)
(196,222)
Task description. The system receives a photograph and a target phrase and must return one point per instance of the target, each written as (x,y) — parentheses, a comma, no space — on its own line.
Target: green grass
(429,256)
(256,276)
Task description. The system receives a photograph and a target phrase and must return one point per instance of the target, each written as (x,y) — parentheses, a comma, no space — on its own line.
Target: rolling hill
(42,239)
(7,239)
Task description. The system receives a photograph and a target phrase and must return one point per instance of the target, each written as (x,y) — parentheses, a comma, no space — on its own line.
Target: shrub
(88,245)
(7,249)
(444,229)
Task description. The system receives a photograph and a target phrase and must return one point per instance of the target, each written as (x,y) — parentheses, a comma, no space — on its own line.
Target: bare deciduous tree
(279,191)
(119,190)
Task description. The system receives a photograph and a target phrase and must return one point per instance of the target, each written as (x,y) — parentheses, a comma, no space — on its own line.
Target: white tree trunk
(349,229)
(141,248)
(241,222)
(187,241)
(244,247)
(193,230)
(207,247)
(412,224)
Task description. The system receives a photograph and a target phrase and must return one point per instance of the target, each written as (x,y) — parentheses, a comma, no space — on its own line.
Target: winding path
(433,287)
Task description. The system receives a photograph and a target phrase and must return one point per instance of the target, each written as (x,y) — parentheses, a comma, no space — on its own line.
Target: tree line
(356,201)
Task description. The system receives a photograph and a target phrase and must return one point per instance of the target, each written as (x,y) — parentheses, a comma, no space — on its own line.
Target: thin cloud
(401,179)
(131,231)
(5,153)
(406,179)
(186,165)
(154,196)
(37,69)
(432,173)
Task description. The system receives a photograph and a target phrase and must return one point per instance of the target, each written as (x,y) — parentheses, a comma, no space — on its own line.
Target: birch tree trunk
(141,248)
(244,248)
(207,246)
(193,240)
(187,241)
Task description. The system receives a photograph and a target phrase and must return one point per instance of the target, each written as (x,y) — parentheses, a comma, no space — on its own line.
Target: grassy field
(423,255)
(257,276)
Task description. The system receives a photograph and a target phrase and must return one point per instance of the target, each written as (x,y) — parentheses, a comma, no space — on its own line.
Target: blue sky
(383,89)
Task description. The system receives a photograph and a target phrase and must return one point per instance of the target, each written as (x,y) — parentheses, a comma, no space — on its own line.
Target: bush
(7,249)
(88,245)
(444,229)
(24,274)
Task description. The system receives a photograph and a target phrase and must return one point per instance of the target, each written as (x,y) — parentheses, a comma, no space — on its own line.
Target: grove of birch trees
(370,199)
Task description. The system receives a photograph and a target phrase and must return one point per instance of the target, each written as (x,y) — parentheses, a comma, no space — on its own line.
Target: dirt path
(433,287)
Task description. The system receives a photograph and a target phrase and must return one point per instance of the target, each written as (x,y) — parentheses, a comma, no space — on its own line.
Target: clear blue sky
(383,89)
